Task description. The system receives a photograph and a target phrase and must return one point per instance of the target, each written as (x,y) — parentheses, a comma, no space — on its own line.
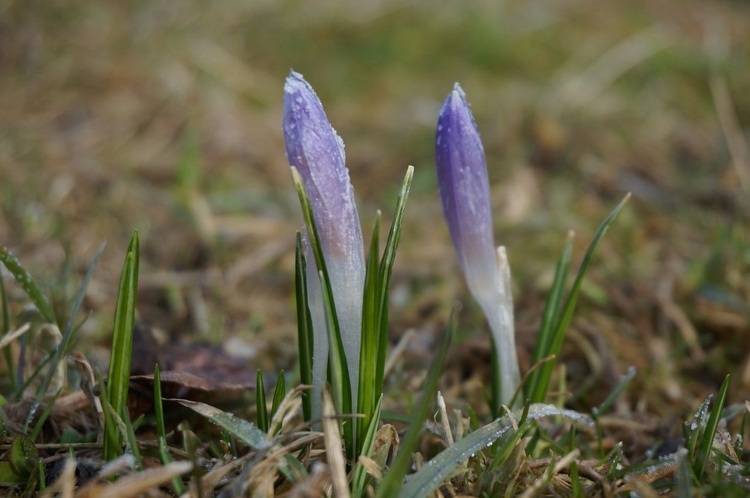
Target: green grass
(167,120)
(118,382)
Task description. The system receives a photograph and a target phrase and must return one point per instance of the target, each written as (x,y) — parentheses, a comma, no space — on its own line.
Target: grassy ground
(166,118)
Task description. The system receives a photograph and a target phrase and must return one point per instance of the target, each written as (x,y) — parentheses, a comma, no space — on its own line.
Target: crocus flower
(464,190)
(317,152)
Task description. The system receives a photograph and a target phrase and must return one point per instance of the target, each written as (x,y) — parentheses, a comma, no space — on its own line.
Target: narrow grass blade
(707,441)
(621,386)
(67,338)
(5,330)
(386,270)
(304,327)
(241,429)
(549,317)
(430,476)
(496,381)
(122,339)
(27,283)
(279,393)
(260,403)
(245,432)
(394,479)
(597,411)
(561,327)
(132,440)
(368,356)
(161,431)
(44,416)
(575,481)
(692,431)
(684,479)
(360,473)
(112,439)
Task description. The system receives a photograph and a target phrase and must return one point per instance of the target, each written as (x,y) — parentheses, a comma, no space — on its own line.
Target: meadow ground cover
(166,118)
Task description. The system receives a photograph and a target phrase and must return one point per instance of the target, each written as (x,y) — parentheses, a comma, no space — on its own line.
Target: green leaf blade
(566,315)
(305,338)
(122,339)
(431,475)
(28,284)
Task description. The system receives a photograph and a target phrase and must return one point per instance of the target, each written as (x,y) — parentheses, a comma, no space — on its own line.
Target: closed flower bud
(317,152)
(465,193)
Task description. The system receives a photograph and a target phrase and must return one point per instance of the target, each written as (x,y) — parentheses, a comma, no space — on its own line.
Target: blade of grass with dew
(5,330)
(245,432)
(550,316)
(393,480)
(341,383)
(692,431)
(118,379)
(614,465)
(360,472)
(504,448)
(161,431)
(545,371)
(279,392)
(707,440)
(45,415)
(24,455)
(27,283)
(368,355)
(304,327)
(261,409)
(66,341)
(431,475)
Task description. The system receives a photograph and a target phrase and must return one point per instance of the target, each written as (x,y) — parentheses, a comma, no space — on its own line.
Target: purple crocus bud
(465,192)
(317,152)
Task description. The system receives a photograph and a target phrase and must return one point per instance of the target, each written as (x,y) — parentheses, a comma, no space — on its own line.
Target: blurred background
(165,117)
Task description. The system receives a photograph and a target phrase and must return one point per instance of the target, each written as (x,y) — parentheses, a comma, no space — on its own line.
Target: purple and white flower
(465,193)
(314,148)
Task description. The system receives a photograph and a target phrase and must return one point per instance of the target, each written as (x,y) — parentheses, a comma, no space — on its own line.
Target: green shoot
(28,284)
(707,441)
(304,327)
(10,367)
(67,336)
(260,403)
(279,393)
(161,431)
(561,317)
(122,340)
